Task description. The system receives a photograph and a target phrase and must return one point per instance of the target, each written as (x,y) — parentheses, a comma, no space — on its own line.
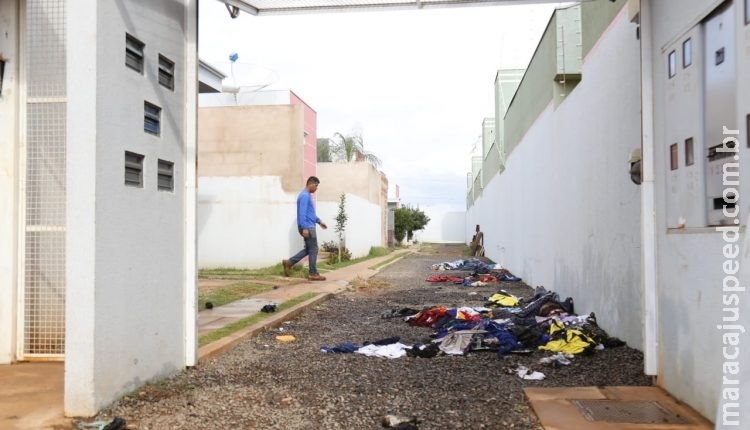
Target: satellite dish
(243,77)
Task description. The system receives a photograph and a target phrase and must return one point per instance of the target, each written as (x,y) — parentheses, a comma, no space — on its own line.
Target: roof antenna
(234,11)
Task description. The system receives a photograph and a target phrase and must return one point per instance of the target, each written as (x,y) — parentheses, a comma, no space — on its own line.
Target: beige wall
(358,178)
(252,141)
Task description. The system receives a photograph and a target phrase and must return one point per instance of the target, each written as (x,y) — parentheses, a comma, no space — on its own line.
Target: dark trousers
(310,251)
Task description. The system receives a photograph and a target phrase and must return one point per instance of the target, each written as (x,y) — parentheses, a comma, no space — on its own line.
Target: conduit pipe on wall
(190,259)
(648,204)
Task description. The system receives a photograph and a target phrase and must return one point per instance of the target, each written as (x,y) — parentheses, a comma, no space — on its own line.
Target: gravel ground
(266,384)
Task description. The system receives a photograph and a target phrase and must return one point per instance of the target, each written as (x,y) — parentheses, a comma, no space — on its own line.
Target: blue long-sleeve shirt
(306,217)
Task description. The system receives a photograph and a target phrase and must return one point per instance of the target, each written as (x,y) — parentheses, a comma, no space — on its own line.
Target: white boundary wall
(245,222)
(362,226)
(250,222)
(564,213)
(446,225)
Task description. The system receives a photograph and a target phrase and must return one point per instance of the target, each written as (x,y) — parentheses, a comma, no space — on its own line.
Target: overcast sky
(417,83)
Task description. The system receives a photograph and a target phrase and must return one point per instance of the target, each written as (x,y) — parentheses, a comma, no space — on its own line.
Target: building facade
(98,231)
(657,262)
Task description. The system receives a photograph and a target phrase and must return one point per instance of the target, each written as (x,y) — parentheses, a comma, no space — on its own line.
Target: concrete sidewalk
(31,394)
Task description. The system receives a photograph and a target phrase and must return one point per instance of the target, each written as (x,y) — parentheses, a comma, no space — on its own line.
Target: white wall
(250,222)
(564,213)
(690,271)
(363,226)
(245,222)
(447,225)
(9,142)
(125,295)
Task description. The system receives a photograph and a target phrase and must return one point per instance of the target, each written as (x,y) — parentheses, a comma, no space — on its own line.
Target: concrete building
(97,232)
(256,150)
(255,153)
(656,262)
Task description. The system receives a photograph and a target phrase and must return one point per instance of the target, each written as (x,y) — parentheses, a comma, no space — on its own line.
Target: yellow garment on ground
(504,300)
(575,341)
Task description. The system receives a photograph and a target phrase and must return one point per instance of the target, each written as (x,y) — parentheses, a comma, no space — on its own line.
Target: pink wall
(310,152)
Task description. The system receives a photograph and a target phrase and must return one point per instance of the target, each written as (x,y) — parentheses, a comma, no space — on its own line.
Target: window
(151,119)
(165,181)
(687,53)
(2,72)
(133,169)
(166,72)
(134,53)
(672,64)
(719,56)
(673,163)
(689,157)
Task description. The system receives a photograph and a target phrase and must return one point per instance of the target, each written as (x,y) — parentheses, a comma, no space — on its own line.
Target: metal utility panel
(720,105)
(684,144)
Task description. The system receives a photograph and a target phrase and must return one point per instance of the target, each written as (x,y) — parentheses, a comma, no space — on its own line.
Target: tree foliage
(350,148)
(324,150)
(407,220)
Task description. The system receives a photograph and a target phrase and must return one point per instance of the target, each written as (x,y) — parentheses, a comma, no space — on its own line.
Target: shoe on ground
(316,277)
(287,267)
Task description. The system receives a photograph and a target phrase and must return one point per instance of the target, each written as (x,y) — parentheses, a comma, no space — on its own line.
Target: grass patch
(298,271)
(231,293)
(375,251)
(252,319)
(262,273)
(388,261)
(379,251)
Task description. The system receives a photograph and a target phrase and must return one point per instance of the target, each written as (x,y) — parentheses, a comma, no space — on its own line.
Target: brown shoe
(316,277)
(287,267)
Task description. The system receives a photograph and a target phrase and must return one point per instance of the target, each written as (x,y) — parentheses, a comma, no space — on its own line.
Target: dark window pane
(689,156)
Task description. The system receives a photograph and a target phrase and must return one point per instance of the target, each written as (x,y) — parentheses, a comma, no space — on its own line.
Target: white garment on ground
(524,373)
(394,350)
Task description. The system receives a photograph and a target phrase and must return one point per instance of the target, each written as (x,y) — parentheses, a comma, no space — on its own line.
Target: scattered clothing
(524,372)
(268,308)
(394,350)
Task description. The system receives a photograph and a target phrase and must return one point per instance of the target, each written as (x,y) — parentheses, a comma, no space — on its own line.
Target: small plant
(329,246)
(341,219)
(334,257)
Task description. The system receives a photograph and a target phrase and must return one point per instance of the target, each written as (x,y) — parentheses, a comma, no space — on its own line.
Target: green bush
(379,251)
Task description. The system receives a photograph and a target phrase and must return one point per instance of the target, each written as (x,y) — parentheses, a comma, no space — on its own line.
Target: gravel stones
(265,384)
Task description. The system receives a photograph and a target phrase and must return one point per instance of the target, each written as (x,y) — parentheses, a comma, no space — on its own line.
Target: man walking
(306,221)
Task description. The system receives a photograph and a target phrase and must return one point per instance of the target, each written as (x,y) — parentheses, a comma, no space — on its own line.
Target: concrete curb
(218,347)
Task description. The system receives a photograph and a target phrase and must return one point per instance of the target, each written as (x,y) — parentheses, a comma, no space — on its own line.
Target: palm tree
(351,148)
(324,150)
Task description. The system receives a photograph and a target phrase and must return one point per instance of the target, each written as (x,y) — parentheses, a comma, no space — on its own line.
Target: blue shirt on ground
(306,217)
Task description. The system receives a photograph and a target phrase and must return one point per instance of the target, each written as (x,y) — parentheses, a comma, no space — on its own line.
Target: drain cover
(627,411)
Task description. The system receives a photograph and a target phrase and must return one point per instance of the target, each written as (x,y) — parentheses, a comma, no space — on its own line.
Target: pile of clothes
(473,264)
(480,272)
(511,324)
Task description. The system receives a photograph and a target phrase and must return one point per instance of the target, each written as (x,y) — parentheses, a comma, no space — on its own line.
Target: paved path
(337,281)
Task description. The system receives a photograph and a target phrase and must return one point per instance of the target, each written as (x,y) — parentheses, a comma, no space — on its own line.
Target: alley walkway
(264,383)
(31,394)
